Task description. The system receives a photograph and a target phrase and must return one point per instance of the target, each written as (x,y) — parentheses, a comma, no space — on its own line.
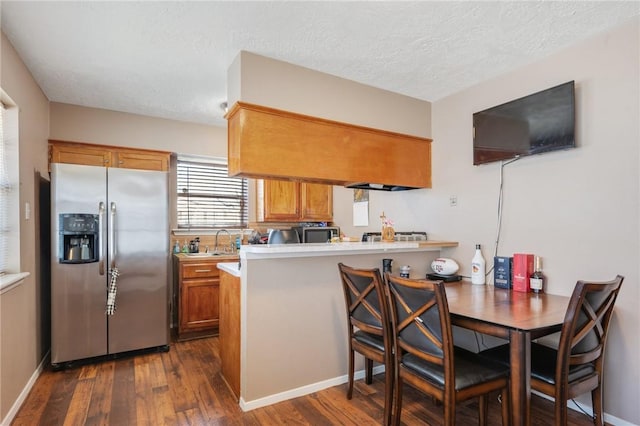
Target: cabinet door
(199,304)
(142,160)
(281,200)
(78,154)
(317,202)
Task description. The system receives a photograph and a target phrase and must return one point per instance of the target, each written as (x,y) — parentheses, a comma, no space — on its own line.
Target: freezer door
(78,291)
(138,200)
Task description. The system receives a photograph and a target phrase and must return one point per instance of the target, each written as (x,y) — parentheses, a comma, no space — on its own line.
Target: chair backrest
(420,320)
(586,323)
(365,299)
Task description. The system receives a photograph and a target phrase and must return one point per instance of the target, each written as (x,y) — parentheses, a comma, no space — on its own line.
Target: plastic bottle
(176,247)
(405,271)
(478,267)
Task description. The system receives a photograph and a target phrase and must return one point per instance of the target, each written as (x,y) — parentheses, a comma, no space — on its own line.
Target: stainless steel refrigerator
(110,231)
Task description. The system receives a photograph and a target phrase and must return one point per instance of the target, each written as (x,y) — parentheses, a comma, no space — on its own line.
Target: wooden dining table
(515,316)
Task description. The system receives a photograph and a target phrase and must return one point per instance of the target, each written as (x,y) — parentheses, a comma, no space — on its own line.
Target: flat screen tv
(541,122)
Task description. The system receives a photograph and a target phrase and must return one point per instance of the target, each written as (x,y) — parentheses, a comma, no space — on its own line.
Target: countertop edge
(183,257)
(438,243)
(232,268)
(332,249)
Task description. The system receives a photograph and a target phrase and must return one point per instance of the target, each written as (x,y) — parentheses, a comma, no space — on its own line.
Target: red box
(522,270)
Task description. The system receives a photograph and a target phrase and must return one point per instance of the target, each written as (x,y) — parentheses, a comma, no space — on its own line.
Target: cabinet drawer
(200,270)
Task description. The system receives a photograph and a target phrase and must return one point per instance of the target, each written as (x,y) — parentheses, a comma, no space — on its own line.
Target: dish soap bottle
(477,267)
(176,247)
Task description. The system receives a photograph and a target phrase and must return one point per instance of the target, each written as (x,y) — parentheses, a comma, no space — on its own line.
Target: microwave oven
(317,234)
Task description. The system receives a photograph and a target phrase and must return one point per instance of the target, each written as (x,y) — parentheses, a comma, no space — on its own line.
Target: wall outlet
(453,200)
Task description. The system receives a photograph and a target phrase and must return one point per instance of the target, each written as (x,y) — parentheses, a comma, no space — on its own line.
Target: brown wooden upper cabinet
(317,202)
(107,156)
(287,201)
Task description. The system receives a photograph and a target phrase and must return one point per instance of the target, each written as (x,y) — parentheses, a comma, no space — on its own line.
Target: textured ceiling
(169,59)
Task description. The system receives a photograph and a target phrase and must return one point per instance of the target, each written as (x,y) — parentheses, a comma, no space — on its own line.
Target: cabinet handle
(203,270)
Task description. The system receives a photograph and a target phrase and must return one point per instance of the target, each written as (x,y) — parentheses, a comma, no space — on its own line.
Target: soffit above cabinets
(269,143)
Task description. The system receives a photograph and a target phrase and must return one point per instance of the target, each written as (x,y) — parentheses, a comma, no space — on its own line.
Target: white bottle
(477,267)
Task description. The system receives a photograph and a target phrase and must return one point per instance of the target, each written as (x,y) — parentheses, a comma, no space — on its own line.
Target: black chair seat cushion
(470,369)
(543,365)
(543,362)
(369,339)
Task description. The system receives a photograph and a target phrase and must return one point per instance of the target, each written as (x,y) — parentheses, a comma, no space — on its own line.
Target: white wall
(578,209)
(265,81)
(93,125)
(305,300)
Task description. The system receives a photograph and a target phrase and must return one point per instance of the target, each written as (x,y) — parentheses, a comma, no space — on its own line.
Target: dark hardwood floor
(184,387)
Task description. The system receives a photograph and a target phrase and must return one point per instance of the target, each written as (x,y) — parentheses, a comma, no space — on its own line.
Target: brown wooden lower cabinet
(197,298)
(230,330)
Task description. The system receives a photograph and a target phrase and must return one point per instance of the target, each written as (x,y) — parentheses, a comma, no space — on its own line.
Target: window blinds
(9,187)
(208,198)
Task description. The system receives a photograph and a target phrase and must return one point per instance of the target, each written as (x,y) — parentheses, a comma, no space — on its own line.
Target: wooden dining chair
(368,326)
(575,366)
(426,357)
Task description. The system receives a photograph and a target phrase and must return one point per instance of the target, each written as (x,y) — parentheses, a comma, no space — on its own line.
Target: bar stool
(368,326)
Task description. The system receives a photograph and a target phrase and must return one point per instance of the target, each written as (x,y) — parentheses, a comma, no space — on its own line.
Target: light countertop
(231,267)
(263,251)
(199,257)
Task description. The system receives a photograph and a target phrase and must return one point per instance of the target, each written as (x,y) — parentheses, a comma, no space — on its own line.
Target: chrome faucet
(231,246)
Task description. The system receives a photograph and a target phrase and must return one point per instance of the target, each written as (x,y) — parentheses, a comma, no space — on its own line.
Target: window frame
(208,195)
(9,185)
(10,274)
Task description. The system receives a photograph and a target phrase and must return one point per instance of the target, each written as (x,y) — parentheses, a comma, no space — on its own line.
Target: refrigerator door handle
(112,236)
(101,209)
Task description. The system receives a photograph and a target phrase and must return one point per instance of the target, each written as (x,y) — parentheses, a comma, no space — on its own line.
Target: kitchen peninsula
(292,334)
